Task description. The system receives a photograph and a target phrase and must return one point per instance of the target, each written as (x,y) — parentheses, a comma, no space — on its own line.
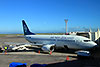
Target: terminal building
(94,36)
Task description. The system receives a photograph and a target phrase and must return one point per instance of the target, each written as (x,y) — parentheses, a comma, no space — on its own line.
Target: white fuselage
(71,41)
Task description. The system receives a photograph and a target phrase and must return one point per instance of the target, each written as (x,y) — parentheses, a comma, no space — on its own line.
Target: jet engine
(48,48)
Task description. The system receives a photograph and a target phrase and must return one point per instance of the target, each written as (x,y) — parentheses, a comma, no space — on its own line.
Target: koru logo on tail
(25,28)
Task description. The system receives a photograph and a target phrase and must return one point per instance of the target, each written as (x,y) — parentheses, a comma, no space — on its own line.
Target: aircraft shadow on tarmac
(36,49)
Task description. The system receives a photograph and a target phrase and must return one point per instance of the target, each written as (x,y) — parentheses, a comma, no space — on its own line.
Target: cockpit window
(86,40)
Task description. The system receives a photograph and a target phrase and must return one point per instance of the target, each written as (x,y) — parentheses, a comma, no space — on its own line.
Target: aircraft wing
(14,43)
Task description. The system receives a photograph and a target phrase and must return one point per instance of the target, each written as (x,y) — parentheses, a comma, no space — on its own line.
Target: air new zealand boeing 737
(49,42)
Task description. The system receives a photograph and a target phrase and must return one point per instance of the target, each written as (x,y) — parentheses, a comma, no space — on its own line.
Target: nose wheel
(66,47)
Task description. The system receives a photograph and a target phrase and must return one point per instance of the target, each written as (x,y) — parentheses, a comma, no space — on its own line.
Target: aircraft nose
(93,44)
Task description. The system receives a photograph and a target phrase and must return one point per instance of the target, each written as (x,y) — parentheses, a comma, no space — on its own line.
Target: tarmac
(57,59)
(54,60)
(33,57)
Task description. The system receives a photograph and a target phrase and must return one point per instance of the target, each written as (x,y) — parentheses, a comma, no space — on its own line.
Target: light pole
(66,20)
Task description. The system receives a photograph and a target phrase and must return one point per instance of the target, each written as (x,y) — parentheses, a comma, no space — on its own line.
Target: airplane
(50,42)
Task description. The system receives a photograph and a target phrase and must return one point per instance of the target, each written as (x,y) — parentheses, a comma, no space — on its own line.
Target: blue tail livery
(26,29)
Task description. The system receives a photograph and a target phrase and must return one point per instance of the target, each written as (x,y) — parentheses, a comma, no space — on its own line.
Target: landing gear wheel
(66,48)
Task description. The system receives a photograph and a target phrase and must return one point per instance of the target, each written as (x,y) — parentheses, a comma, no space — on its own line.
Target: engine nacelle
(48,48)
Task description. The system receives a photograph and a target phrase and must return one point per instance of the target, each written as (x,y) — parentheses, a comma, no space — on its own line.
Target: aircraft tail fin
(26,29)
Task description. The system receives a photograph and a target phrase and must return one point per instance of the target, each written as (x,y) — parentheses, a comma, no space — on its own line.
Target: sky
(47,16)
